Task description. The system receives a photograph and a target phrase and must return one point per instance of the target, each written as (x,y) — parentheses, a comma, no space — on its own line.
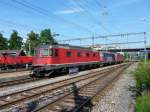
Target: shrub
(142,76)
(143,103)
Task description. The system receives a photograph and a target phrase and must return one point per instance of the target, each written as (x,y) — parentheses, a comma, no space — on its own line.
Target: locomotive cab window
(45,52)
(68,54)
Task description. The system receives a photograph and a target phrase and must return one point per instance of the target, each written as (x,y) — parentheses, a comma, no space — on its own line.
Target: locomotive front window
(45,52)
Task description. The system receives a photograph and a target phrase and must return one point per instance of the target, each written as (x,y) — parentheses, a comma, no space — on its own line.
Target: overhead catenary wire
(104,36)
(50,14)
(84,11)
(91,15)
(98,3)
(121,43)
(11,23)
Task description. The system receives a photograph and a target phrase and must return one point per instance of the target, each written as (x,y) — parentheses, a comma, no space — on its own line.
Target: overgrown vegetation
(143,103)
(142,76)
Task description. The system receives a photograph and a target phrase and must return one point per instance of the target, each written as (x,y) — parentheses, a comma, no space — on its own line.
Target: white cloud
(70,11)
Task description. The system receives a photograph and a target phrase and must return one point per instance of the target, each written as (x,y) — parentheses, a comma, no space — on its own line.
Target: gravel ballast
(121,98)
(22,87)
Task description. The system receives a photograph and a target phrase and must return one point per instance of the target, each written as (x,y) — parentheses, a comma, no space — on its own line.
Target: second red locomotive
(14,59)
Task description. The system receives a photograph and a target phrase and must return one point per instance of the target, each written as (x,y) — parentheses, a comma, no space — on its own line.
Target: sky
(78,19)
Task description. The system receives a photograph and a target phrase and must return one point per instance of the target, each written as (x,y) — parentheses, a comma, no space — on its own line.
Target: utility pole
(80,42)
(29,48)
(93,39)
(145,53)
(106,47)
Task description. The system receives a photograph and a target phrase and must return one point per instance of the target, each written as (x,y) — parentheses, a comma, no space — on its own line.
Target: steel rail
(37,91)
(52,105)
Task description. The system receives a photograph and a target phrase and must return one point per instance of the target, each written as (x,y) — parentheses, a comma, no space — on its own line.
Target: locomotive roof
(13,52)
(66,46)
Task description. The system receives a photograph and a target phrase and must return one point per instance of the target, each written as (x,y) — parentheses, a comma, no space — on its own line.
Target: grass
(143,103)
(142,76)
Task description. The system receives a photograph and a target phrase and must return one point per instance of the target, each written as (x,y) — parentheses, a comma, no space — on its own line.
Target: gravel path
(121,97)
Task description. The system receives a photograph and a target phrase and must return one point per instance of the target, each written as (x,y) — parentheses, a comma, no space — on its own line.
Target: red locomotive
(64,58)
(119,58)
(14,59)
(54,58)
(108,58)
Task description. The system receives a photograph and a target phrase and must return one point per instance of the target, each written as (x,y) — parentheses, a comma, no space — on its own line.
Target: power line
(91,15)
(82,12)
(47,13)
(105,36)
(121,43)
(14,24)
(98,3)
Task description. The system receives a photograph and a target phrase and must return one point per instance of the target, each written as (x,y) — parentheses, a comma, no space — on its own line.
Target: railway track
(56,92)
(13,70)
(17,81)
(80,99)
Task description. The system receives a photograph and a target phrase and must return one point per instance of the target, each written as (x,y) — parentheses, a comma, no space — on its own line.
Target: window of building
(79,54)
(68,54)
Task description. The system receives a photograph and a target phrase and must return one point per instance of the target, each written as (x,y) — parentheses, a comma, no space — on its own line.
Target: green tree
(15,41)
(31,42)
(46,37)
(3,43)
